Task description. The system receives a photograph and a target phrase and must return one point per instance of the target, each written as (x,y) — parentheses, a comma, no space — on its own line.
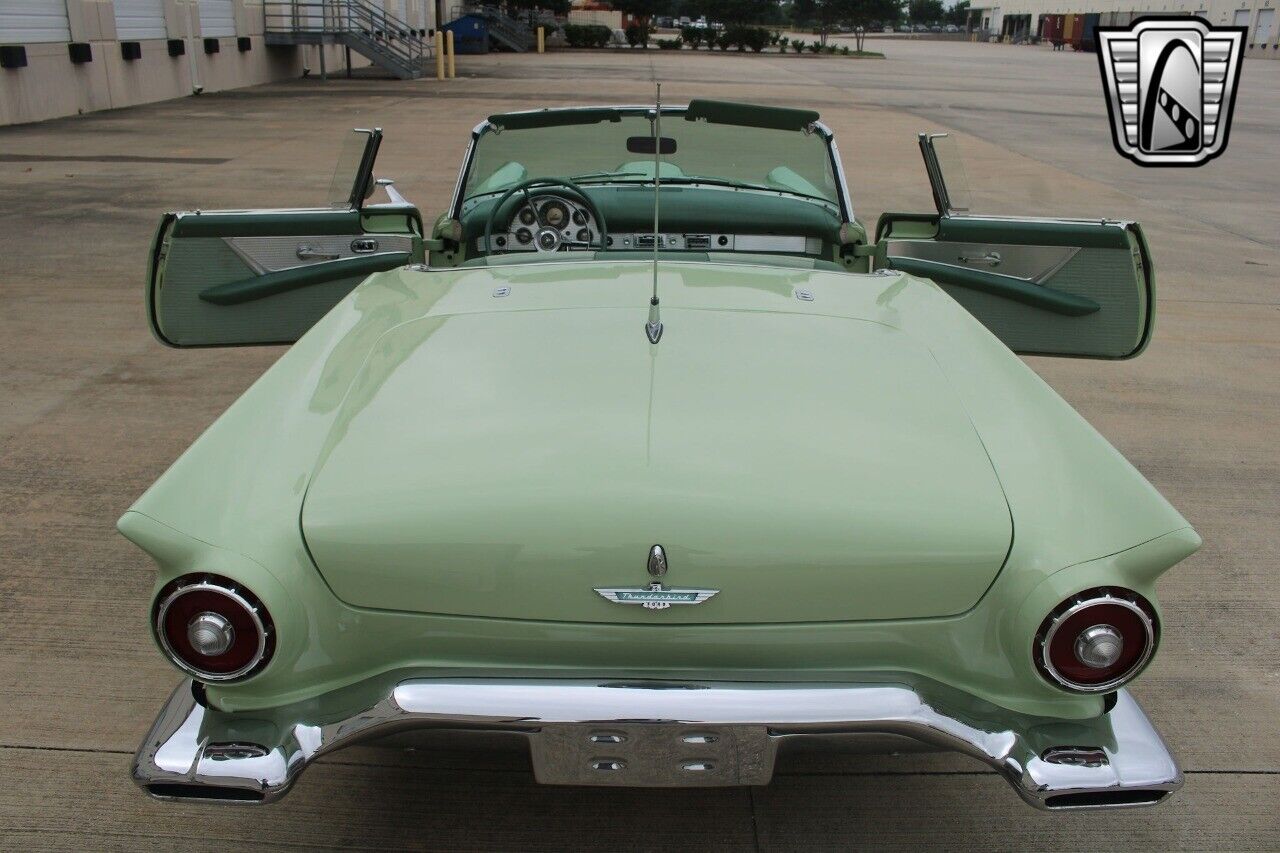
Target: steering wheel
(564,184)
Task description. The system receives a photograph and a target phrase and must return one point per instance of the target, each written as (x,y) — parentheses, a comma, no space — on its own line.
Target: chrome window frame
(486,126)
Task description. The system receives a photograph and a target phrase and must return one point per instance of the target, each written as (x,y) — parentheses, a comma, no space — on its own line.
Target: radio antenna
(653,328)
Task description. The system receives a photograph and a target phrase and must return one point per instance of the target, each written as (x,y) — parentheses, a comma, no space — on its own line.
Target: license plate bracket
(652,754)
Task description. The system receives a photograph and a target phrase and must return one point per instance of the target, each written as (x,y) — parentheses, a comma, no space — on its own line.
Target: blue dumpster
(470,34)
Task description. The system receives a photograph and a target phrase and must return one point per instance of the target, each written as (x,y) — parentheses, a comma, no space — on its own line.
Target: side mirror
(392,193)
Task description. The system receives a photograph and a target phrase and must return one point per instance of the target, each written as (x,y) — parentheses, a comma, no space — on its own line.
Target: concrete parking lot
(92,409)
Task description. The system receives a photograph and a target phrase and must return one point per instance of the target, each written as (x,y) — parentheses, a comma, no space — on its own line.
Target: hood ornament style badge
(1171,87)
(656,596)
(657,562)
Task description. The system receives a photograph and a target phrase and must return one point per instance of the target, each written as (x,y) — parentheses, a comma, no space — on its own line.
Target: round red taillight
(213,627)
(1096,641)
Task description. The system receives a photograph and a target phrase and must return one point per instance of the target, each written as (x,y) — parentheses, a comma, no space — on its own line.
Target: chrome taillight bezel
(1124,598)
(237,594)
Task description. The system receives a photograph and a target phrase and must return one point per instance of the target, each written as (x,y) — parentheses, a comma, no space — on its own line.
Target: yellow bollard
(542,39)
(448,40)
(439,55)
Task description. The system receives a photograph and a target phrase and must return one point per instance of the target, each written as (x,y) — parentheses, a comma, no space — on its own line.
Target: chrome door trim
(1036,264)
(274,254)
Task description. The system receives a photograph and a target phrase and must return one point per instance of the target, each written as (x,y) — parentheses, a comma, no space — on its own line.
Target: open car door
(1070,287)
(229,277)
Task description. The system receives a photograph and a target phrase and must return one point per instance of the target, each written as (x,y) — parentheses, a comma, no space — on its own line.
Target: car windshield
(788,161)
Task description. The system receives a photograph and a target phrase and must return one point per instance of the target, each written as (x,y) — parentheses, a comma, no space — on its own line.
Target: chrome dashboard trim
(762,243)
(649,732)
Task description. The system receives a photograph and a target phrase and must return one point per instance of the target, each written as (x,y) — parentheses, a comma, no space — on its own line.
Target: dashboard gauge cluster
(547,224)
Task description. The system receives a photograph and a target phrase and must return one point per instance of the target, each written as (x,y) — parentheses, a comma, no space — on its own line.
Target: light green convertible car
(648,453)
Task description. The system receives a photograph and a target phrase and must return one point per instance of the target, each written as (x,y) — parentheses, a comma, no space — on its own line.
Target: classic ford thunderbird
(649,453)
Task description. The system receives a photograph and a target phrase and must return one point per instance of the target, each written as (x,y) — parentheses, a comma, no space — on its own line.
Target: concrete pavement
(92,410)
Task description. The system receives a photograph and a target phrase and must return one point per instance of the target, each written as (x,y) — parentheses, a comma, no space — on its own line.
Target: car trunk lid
(511,463)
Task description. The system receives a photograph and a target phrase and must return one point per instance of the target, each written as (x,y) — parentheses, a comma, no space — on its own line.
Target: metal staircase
(383,39)
(504,30)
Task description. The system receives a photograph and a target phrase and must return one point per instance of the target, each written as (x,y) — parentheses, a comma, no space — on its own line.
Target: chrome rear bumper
(661,733)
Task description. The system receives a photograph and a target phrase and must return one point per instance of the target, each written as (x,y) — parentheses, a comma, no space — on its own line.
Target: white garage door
(217,18)
(1266,26)
(26,21)
(140,19)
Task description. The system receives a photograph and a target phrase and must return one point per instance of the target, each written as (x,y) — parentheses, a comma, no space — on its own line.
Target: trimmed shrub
(798,45)
(783,42)
(587,35)
(844,49)
(756,38)
(691,36)
(638,35)
(816,47)
(724,40)
(669,44)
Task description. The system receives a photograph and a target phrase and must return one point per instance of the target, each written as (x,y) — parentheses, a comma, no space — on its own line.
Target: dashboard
(695,219)
(547,224)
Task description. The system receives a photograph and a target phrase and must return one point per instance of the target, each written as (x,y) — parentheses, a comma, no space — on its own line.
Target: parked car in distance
(951,28)
(659,460)
(887,29)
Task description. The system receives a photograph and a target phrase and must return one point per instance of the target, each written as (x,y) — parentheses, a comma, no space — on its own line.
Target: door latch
(364,245)
(990,259)
(308,252)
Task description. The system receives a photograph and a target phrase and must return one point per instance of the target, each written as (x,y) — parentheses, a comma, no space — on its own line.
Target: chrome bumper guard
(662,733)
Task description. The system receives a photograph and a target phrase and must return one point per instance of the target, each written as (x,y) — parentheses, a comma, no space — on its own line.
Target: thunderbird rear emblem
(656,596)
(1171,87)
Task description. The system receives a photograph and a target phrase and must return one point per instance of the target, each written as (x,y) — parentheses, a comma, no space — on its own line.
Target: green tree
(518,7)
(825,15)
(731,12)
(959,13)
(643,8)
(863,13)
(692,9)
(925,11)
(819,15)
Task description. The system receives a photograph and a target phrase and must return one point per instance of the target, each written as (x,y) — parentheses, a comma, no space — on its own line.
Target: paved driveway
(92,410)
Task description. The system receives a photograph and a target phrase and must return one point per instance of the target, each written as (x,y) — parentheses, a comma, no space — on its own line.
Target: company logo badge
(1171,87)
(656,596)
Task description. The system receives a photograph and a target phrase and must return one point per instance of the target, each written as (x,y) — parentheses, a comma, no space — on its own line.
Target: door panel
(1041,286)
(224,278)
(228,277)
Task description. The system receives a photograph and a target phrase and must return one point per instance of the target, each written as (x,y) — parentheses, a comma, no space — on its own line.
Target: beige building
(1015,18)
(63,57)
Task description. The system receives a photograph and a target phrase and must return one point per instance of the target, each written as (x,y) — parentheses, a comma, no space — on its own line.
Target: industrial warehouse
(63,57)
(1054,21)
(66,57)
